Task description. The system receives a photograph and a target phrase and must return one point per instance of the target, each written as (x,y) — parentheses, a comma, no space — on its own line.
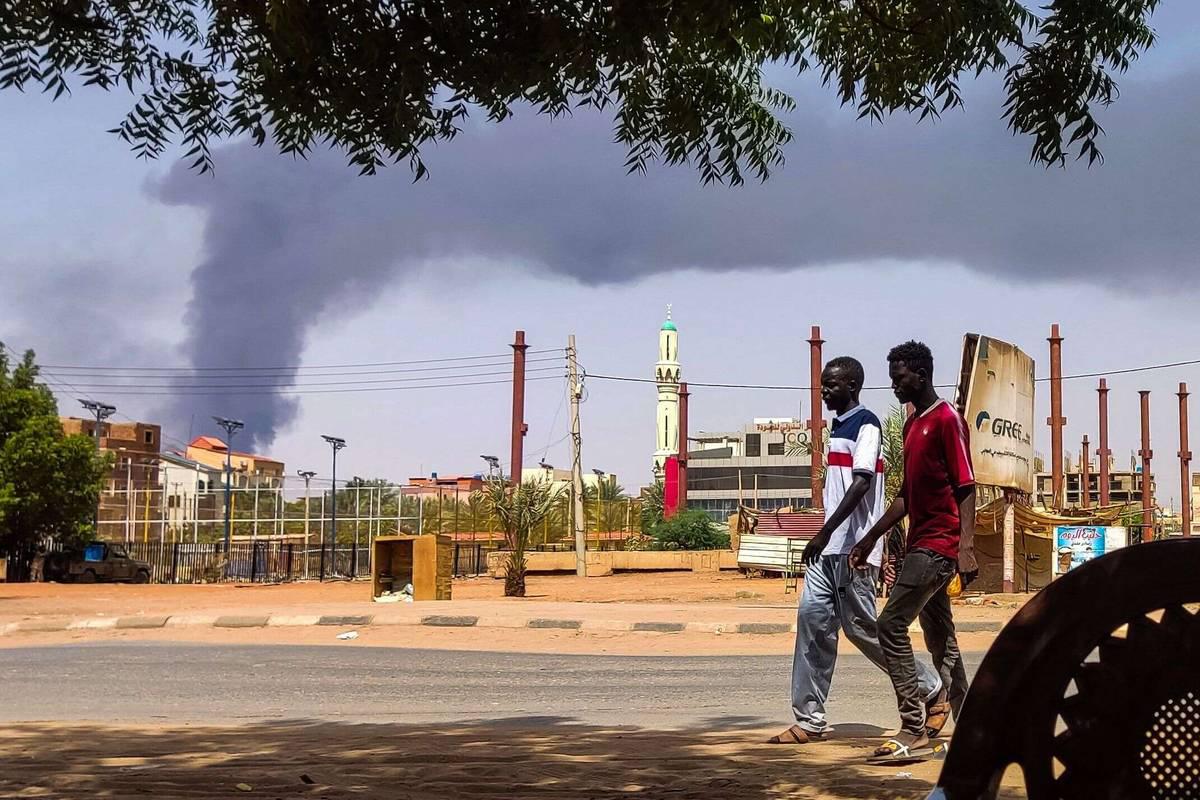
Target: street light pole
(231,426)
(308,475)
(102,411)
(336,444)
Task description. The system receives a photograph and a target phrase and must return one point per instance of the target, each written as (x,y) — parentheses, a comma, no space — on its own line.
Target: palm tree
(520,510)
(603,505)
(892,450)
(652,507)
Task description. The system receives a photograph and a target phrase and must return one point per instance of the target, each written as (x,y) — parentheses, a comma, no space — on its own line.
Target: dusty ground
(22,600)
(543,758)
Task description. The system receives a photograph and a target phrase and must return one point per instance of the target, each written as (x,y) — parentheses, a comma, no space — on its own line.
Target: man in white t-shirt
(836,597)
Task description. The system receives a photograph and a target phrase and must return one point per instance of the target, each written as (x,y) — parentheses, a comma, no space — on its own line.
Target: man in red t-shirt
(938,496)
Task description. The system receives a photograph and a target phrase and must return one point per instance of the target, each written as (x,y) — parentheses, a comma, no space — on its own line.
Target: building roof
(217,446)
(669,326)
(182,461)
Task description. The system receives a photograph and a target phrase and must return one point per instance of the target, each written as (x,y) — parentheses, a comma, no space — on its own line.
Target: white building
(667,374)
(191,490)
(560,479)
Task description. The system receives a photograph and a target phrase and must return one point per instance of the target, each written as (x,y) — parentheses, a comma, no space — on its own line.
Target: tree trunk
(514,577)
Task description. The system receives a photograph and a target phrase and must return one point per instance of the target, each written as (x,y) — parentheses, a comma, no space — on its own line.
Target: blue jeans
(836,597)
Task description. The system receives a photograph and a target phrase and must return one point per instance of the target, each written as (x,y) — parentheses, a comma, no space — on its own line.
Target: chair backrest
(1093,688)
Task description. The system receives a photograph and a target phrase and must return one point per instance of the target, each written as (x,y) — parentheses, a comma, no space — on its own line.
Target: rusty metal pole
(1056,420)
(1085,467)
(1103,453)
(682,458)
(1185,463)
(816,422)
(1146,453)
(518,408)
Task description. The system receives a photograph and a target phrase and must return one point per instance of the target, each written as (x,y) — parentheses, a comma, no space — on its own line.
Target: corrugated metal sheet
(792,524)
(770,552)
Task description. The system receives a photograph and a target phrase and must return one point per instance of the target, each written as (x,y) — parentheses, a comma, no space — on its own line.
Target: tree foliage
(652,506)
(49,482)
(683,79)
(892,452)
(520,509)
(606,505)
(690,530)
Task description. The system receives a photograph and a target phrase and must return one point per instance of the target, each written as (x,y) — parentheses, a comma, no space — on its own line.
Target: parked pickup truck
(97,561)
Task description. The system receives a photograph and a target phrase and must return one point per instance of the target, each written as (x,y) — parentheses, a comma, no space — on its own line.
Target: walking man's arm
(968,567)
(854,495)
(862,550)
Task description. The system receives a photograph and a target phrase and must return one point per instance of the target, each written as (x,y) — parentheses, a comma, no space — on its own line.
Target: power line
(241,393)
(293,367)
(213,375)
(771,387)
(289,384)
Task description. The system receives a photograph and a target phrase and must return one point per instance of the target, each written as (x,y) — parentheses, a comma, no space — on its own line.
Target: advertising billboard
(995,395)
(1075,544)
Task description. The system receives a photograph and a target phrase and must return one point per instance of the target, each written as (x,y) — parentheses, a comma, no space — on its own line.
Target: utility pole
(1009,563)
(518,409)
(1085,465)
(1103,453)
(231,427)
(336,444)
(816,422)
(1056,420)
(1185,462)
(575,390)
(308,475)
(1146,453)
(102,411)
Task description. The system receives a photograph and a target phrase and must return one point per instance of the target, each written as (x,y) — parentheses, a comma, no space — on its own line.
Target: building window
(149,437)
(753,445)
(774,448)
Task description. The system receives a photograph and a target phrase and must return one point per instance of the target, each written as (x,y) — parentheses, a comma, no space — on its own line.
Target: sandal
(897,749)
(795,735)
(937,714)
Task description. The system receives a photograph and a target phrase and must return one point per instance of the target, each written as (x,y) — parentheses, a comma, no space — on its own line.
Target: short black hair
(915,355)
(851,366)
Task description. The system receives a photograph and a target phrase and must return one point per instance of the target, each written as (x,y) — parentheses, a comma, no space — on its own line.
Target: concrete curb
(241,622)
(140,623)
(154,622)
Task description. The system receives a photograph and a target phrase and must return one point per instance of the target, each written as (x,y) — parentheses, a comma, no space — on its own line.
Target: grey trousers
(836,597)
(920,592)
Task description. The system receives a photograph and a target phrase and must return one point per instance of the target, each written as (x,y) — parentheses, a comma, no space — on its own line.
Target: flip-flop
(937,714)
(905,754)
(794,735)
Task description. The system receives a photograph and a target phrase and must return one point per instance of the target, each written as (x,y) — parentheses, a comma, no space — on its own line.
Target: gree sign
(996,397)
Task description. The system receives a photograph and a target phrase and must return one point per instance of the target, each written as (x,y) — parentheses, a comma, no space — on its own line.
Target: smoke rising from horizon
(288,243)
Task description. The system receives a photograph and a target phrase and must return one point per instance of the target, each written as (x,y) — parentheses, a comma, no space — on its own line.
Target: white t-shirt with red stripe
(854,448)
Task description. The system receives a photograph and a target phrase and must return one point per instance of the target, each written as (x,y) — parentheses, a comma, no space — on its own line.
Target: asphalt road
(140,682)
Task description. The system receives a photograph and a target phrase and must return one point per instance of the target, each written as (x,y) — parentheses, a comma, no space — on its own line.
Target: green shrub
(690,530)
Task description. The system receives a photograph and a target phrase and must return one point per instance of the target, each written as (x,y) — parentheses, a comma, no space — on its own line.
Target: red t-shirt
(937,460)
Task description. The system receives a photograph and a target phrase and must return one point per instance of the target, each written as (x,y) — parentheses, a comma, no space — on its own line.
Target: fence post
(291,548)
(174,561)
(253,561)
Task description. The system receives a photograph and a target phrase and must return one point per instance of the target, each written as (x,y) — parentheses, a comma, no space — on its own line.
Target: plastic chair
(1093,688)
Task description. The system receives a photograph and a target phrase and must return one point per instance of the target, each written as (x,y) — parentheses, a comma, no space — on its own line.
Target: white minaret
(666,373)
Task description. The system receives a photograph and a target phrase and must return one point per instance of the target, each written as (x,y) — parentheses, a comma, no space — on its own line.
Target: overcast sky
(878,233)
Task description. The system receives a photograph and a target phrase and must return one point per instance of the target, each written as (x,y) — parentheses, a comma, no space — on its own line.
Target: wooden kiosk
(424,561)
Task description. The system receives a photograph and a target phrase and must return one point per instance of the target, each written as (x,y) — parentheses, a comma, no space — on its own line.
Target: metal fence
(274,562)
(195,512)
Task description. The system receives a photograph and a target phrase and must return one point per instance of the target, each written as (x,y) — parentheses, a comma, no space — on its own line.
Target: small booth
(425,562)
